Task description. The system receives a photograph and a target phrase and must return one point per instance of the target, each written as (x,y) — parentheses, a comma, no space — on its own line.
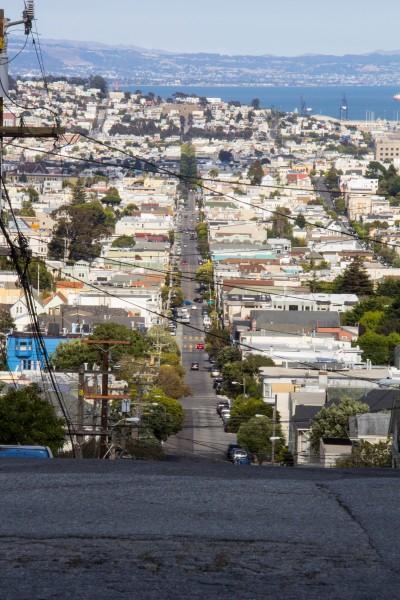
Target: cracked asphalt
(196,529)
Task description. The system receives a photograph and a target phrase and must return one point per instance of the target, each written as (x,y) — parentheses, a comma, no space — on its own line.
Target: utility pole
(105,346)
(273,438)
(17,131)
(104,392)
(80,416)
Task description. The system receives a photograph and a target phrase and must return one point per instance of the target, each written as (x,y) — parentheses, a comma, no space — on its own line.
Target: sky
(283,27)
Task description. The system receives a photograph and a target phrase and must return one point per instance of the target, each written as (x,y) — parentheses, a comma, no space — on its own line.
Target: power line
(10,60)
(177,175)
(192,180)
(23,275)
(185,275)
(203,331)
(215,180)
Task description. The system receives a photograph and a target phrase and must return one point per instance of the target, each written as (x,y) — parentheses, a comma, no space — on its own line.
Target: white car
(225,413)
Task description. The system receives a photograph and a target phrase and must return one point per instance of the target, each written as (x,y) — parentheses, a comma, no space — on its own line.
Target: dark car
(198,300)
(194,366)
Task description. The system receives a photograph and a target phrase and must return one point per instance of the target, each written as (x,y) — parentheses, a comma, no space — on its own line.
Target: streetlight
(243,385)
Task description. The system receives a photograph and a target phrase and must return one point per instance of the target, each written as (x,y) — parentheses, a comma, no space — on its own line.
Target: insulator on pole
(29,15)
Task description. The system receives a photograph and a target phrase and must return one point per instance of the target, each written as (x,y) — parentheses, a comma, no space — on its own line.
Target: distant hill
(139,66)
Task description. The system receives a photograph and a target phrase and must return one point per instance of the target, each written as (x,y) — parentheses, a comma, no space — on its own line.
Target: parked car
(215,373)
(241,457)
(37,452)
(222,405)
(225,414)
(230,450)
(200,346)
(194,366)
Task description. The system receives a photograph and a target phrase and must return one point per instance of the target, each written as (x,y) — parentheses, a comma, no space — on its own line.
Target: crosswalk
(189,342)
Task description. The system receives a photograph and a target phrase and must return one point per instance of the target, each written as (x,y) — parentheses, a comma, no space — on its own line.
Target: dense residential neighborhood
(288,225)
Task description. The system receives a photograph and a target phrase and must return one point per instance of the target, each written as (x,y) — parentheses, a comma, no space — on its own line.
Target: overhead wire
(289,217)
(203,331)
(16,254)
(13,58)
(185,275)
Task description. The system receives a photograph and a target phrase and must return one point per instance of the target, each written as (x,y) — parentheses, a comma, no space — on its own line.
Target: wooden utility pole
(105,346)
(17,131)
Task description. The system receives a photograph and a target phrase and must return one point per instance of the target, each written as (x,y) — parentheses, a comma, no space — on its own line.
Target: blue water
(363,102)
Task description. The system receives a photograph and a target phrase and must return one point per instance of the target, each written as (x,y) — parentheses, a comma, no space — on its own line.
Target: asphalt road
(196,529)
(203,434)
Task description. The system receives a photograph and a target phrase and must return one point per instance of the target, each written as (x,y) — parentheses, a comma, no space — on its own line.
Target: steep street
(203,433)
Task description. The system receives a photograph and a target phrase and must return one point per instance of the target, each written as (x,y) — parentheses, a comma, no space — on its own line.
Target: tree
(172,384)
(281,226)
(254,436)
(33,194)
(228,355)
(26,418)
(255,173)
(374,303)
(163,414)
(354,280)
(371,320)
(188,164)
(124,241)
(375,348)
(82,225)
(158,336)
(375,170)
(332,179)
(216,340)
(300,221)
(79,193)
(243,409)
(205,274)
(98,82)
(72,355)
(45,278)
(27,209)
(112,198)
(6,321)
(389,287)
(367,455)
(333,421)
(129,210)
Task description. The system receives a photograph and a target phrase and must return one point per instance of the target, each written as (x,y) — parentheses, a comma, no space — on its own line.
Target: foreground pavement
(196,529)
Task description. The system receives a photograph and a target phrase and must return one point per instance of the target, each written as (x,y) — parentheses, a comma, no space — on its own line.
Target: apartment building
(387,148)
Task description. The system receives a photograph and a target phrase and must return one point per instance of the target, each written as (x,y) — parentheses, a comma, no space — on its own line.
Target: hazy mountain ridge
(144,66)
